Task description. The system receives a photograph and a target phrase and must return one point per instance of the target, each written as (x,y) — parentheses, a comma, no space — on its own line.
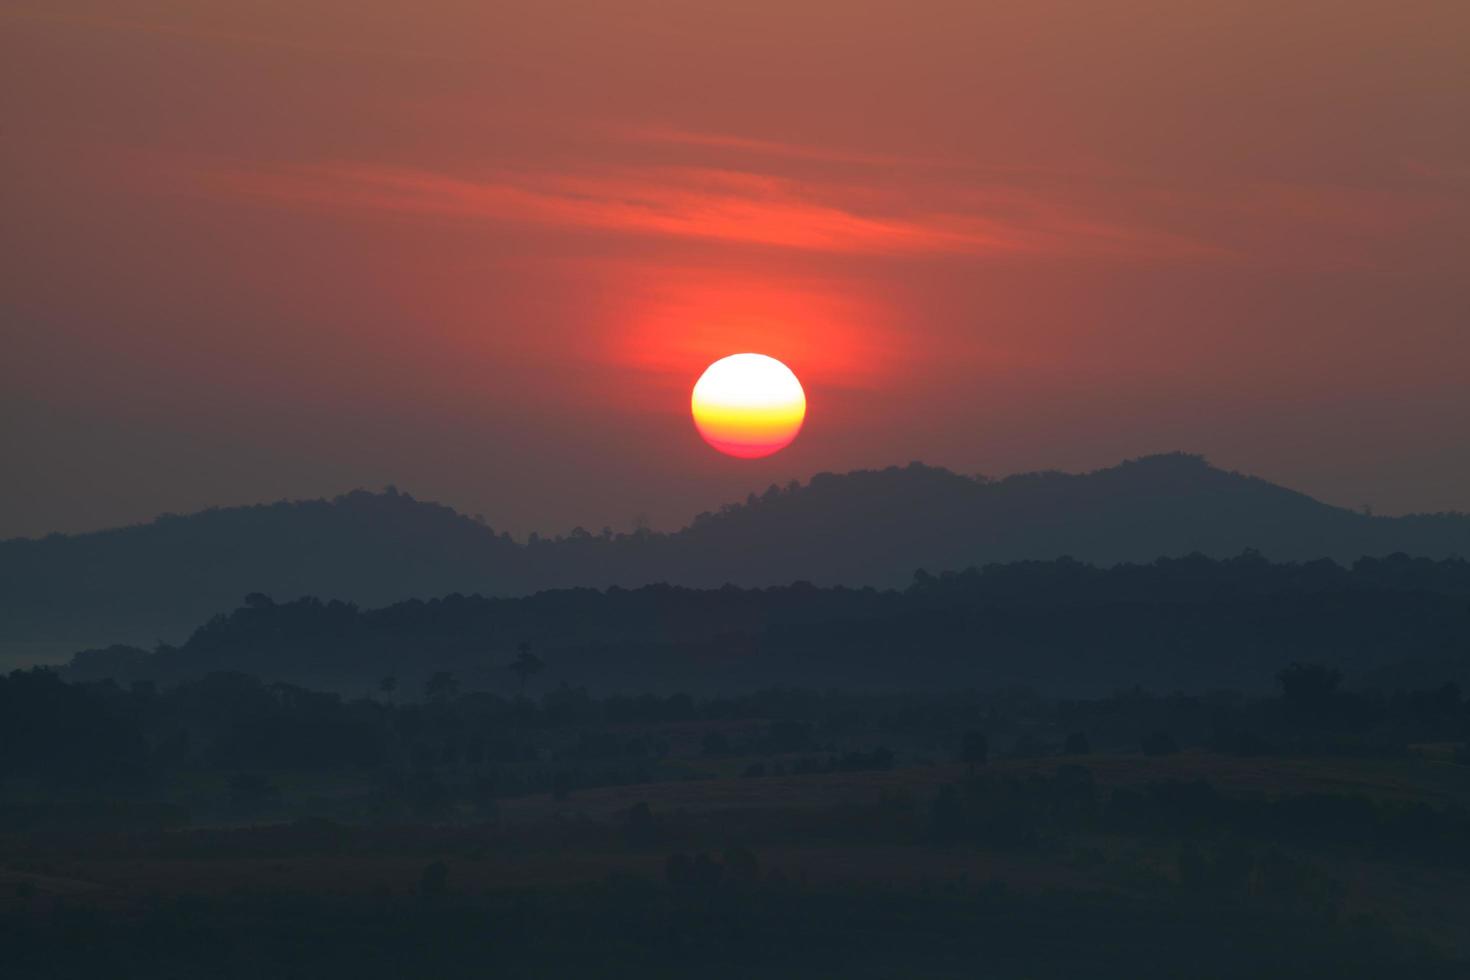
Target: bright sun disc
(748,405)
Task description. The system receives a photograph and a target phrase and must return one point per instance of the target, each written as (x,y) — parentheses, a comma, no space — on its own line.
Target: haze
(265,250)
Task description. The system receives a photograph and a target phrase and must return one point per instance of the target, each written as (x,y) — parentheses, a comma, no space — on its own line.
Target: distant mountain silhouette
(151,581)
(870,527)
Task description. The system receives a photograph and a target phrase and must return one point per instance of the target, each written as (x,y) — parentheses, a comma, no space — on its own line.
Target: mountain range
(156,581)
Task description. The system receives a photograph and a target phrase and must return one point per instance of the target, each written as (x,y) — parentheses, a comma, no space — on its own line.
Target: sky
(482,251)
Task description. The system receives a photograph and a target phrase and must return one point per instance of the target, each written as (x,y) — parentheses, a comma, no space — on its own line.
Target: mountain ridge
(154,581)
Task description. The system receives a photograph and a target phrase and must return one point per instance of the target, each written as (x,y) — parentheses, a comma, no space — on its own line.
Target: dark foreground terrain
(227,827)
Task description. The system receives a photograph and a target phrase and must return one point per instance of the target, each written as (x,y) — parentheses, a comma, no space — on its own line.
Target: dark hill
(870,527)
(149,581)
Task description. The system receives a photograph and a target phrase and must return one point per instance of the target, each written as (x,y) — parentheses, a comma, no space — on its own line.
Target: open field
(819,834)
(540,842)
(1406,780)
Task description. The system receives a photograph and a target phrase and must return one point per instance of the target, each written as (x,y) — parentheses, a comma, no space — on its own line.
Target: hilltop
(865,528)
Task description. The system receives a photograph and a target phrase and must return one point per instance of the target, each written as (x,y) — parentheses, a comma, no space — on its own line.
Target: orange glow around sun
(748,405)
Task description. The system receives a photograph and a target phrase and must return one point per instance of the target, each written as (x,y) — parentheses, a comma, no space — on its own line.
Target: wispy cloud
(732,206)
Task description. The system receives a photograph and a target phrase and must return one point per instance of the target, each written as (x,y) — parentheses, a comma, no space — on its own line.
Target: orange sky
(269,249)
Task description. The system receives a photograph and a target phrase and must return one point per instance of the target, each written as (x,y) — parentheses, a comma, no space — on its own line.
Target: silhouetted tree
(641,829)
(1309,691)
(741,865)
(974,749)
(947,814)
(707,873)
(434,882)
(789,736)
(526,664)
(252,793)
(699,874)
(678,870)
(714,744)
(441,686)
(1159,743)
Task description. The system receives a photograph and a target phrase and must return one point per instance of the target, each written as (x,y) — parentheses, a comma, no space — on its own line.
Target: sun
(748,405)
